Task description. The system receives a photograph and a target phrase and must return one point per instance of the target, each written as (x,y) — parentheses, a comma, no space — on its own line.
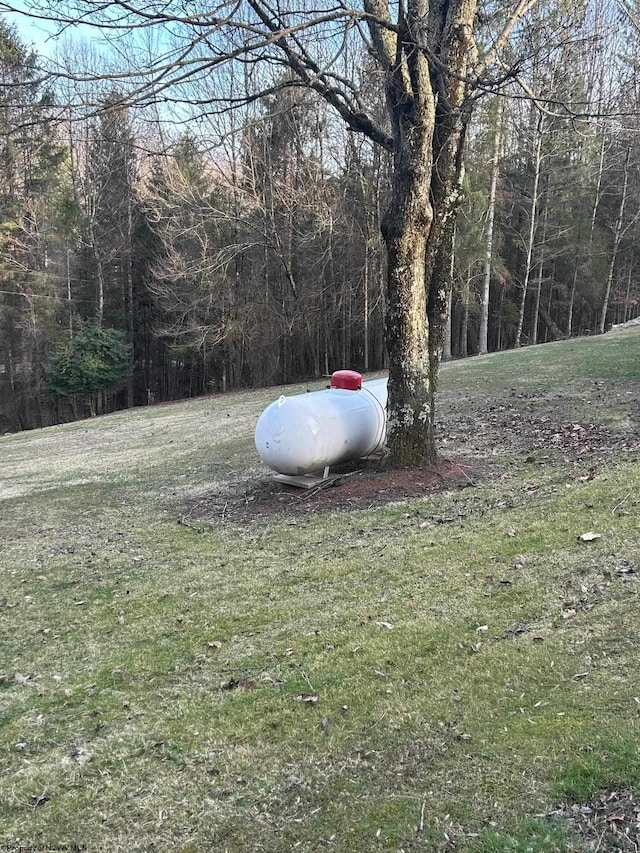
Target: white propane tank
(306,433)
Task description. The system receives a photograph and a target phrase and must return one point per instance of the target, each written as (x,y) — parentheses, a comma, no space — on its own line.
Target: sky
(40,35)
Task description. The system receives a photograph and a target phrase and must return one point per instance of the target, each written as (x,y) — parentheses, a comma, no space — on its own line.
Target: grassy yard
(457,671)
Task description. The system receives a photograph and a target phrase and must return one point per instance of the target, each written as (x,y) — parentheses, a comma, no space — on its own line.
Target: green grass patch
(529,836)
(611,762)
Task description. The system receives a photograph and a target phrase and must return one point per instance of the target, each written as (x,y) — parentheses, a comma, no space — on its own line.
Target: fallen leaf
(519,561)
(482,628)
(385,625)
(537,640)
(589,536)
(511,532)
(215,644)
(308,698)
(324,724)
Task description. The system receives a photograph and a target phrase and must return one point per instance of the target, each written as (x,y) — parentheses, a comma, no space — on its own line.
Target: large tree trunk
(405,227)
(457,54)
(419,224)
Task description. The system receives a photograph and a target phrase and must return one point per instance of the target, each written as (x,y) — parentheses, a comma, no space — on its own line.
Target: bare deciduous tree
(427,61)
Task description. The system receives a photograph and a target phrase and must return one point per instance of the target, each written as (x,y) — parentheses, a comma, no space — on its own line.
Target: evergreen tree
(29,160)
(111,219)
(94,360)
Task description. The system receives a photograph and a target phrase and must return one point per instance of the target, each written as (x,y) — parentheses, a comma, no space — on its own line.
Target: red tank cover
(350,380)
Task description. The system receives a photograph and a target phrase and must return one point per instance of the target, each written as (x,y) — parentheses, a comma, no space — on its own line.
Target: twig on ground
(185,520)
(604,832)
(464,474)
(424,805)
(618,505)
(330,481)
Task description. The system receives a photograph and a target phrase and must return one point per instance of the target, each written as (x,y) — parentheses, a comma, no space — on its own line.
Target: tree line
(139,265)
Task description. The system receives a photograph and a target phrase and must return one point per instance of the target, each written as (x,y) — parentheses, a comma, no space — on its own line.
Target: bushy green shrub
(93,360)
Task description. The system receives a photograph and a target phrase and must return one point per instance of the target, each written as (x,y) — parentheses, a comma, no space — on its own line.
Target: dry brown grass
(466,648)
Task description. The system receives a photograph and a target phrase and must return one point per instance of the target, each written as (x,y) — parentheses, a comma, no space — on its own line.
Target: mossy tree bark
(427,69)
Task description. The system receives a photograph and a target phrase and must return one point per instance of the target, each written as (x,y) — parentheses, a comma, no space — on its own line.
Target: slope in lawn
(456,670)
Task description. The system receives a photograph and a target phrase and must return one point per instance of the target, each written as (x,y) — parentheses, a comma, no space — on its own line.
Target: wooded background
(153,254)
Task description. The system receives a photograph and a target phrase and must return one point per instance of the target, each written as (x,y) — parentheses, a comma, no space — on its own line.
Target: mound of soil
(362,485)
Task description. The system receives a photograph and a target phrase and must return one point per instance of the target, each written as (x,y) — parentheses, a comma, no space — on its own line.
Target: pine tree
(29,160)
(111,218)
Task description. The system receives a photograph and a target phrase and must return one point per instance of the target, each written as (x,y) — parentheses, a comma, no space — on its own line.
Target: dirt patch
(609,822)
(360,486)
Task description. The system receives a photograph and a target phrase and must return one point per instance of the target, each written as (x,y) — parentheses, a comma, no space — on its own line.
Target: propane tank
(307,433)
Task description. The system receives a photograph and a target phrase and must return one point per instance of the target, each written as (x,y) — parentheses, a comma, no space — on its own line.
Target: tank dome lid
(350,380)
